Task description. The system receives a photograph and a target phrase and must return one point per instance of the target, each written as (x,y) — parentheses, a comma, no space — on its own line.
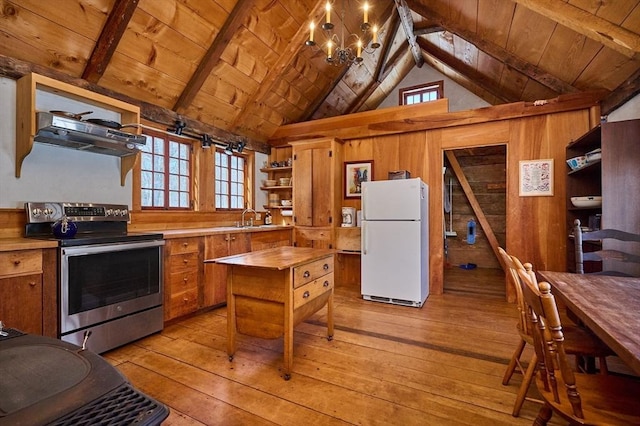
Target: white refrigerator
(395,241)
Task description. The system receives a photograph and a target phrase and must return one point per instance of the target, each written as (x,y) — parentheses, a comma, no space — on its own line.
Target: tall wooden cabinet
(317,184)
(616,177)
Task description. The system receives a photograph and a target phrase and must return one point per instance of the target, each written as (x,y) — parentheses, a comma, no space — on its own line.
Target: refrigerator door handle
(364,238)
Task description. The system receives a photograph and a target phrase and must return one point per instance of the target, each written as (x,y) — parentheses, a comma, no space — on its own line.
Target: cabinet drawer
(183,303)
(308,292)
(311,271)
(185,245)
(184,262)
(20,262)
(183,281)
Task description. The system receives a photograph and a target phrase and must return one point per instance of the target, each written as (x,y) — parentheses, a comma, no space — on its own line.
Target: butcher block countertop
(200,232)
(19,243)
(276,258)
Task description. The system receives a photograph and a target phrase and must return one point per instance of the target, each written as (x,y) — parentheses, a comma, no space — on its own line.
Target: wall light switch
(258,216)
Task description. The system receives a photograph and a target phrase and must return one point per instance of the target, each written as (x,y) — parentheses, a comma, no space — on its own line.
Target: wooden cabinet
(317,185)
(616,177)
(183,260)
(271,239)
(28,291)
(215,275)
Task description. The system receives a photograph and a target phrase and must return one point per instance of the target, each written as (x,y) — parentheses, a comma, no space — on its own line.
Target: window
(422,93)
(230,176)
(165,173)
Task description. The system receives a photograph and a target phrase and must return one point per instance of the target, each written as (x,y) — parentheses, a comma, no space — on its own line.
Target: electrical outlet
(258,216)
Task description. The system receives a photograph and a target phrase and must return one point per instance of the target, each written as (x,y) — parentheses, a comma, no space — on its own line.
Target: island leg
(330,316)
(231,316)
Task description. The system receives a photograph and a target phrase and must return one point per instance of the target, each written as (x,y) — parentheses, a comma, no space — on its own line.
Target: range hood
(77,134)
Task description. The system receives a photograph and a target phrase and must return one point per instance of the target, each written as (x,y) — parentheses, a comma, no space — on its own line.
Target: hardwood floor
(439,365)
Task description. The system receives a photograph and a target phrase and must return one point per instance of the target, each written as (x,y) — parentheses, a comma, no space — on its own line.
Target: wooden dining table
(608,305)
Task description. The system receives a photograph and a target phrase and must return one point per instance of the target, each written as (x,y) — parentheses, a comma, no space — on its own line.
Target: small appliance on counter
(348,217)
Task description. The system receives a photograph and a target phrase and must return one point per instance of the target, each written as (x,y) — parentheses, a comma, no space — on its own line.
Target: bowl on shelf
(285,181)
(286,203)
(588,201)
(270,182)
(594,155)
(577,162)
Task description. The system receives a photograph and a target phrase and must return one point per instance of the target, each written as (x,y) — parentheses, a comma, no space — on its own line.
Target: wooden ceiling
(240,68)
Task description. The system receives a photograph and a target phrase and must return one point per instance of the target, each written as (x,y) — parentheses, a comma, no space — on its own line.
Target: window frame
(167,139)
(245,183)
(421,89)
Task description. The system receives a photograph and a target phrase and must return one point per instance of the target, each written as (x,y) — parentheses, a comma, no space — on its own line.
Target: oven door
(103,282)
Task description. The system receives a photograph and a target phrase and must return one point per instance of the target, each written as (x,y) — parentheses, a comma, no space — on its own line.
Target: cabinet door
(215,275)
(312,187)
(303,187)
(322,187)
(271,239)
(21,304)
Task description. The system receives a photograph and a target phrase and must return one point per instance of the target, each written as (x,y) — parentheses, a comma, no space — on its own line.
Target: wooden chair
(593,399)
(580,342)
(616,247)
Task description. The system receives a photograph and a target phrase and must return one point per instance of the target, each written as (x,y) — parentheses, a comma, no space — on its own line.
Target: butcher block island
(270,291)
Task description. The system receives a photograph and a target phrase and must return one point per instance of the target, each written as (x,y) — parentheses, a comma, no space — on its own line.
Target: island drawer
(305,294)
(311,271)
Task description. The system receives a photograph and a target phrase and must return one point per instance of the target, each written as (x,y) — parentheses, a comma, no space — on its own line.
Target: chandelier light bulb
(328,25)
(312,28)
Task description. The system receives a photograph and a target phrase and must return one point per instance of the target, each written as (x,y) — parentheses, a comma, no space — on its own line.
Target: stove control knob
(117,212)
(36,212)
(47,212)
(109,212)
(124,212)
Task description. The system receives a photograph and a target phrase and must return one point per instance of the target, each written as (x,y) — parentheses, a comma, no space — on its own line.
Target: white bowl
(285,203)
(588,201)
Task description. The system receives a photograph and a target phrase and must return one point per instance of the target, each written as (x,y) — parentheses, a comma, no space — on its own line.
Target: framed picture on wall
(356,172)
(536,178)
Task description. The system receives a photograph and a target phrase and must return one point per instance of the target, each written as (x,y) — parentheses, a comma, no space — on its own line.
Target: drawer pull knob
(185,279)
(305,294)
(325,284)
(32,283)
(325,266)
(185,244)
(185,261)
(306,274)
(16,262)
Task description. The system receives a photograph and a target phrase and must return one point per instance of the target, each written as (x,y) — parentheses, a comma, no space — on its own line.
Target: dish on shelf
(577,162)
(285,203)
(588,201)
(284,181)
(270,182)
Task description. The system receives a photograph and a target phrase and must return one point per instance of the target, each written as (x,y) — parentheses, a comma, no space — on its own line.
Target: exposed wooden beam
(110,37)
(15,68)
(622,94)
(467,71)
(407,24)
(426,28)
(381,66)
(210,59)
(607,33)
(495,51)
(390,65)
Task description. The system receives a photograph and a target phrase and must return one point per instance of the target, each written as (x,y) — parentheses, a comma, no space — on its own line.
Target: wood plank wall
(535,226)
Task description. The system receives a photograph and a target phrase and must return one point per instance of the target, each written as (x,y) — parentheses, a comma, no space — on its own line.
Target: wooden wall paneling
(204,185)
(433,178)
(356,150)
(413,155)
(386,151)
(536,229)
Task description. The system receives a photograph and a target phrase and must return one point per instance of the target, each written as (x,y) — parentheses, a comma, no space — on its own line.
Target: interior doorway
(474,177)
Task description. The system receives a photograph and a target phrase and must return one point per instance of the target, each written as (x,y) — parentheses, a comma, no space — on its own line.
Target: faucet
(243,223)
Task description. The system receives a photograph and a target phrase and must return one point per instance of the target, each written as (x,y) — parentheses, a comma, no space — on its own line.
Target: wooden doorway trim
(477,210)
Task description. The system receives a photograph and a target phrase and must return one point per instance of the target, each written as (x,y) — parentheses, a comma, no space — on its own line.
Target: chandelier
(339,51)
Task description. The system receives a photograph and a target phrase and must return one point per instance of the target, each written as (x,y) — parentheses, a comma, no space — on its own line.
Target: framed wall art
(536,178)
(356,172)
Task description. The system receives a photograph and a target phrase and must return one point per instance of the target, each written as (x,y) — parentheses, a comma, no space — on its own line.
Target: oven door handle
(103,248)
